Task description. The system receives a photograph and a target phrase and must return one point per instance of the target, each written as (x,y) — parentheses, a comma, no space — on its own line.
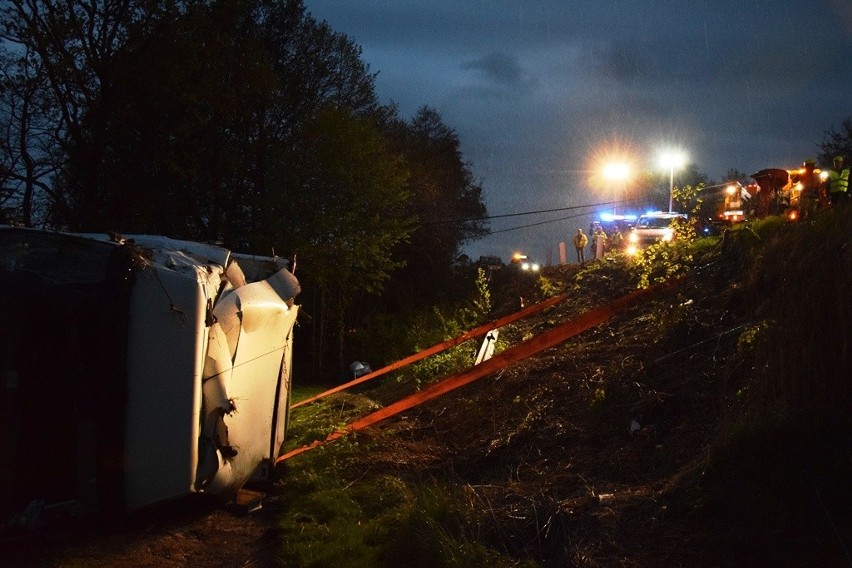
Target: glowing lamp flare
(672,160)
(616,170)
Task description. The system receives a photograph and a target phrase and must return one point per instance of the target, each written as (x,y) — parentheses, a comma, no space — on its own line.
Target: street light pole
(672,160)
(671,187)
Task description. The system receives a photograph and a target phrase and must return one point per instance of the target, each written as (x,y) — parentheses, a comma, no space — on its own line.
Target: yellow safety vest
(838,181)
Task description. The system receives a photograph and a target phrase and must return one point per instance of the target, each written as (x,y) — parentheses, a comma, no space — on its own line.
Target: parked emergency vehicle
(652,227)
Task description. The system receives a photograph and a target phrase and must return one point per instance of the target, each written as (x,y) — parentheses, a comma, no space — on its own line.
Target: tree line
(246,123)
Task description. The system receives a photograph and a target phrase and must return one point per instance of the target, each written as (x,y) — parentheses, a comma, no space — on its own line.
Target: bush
(390,337)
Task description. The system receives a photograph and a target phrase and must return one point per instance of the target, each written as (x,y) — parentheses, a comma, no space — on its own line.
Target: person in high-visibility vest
(580,242)
(838,182)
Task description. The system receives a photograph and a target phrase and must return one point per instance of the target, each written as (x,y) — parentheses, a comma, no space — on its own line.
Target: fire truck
(736,198)
(775,191)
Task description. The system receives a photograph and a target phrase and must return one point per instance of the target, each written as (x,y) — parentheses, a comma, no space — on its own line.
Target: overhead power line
(489,217)
(558,209)
(601,208)
(574,216)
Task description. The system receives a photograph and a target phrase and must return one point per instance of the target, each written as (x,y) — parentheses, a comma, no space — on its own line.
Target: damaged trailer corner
(137,370)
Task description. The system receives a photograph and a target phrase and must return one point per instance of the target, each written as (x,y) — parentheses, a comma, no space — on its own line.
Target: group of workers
(820,193)
(600,242)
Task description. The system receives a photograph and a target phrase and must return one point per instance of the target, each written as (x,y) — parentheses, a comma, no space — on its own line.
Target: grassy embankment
(739,387)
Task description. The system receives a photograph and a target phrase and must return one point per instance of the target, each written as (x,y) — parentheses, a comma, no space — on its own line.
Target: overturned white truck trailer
(137,370)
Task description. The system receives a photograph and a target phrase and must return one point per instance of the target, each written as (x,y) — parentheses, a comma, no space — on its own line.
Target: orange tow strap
(539,343)
(476,332)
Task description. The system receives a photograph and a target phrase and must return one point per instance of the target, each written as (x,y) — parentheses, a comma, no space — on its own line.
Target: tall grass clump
(378,522)
(801,283)
(777,475)
(792,398)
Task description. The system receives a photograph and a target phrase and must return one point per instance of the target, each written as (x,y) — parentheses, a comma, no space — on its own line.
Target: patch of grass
(548,286)
(317,420)
(338,509)
(300,393)
(379,521)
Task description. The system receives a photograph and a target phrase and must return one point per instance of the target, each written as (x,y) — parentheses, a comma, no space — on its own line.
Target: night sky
(542,94)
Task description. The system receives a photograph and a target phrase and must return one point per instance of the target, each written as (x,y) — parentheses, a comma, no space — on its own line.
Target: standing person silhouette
(580,242)
(600,243)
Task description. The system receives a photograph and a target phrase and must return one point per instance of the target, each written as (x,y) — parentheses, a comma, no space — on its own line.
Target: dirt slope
(576,450)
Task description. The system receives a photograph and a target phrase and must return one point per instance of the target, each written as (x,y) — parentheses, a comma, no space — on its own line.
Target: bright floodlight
(672,160)
(616,171)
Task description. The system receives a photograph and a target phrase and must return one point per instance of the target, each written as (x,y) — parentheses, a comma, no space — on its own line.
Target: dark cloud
(498,67)
(621,61)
